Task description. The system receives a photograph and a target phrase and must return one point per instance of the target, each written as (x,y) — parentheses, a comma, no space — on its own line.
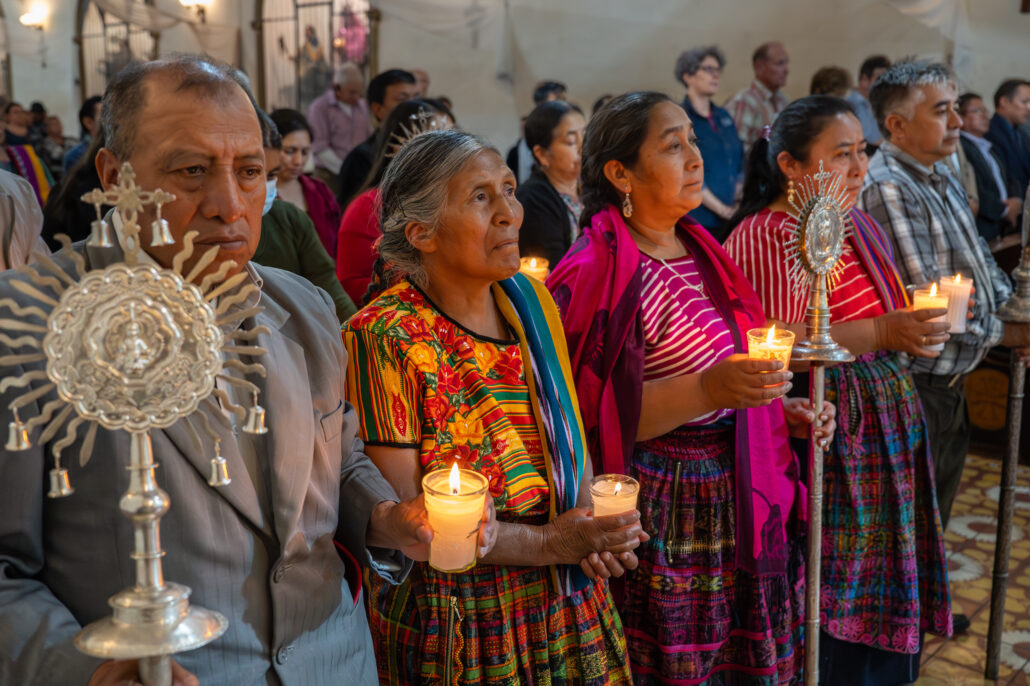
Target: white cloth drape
(943,15)
(482,24)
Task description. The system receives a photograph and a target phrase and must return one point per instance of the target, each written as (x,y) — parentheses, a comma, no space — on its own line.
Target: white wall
(595,46)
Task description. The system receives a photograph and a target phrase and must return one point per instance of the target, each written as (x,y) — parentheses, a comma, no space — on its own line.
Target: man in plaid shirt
(757,105)
(924,209)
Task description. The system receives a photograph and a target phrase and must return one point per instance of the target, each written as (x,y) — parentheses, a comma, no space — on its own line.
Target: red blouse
(355,246)
(323,210)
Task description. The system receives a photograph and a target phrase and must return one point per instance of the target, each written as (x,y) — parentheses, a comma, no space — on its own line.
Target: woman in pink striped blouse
(655,314)
(884,576)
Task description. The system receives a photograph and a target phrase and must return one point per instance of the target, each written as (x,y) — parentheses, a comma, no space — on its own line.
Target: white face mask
(270,193)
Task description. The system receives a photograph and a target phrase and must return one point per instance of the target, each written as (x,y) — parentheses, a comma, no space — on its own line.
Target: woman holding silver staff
(884,574)
(656,314)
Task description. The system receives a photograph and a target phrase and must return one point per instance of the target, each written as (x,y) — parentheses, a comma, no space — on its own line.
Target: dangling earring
(790,191)
(627,207)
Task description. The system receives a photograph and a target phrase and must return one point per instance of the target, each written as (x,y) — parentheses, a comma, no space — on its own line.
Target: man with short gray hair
(339,121)
(925,211)
(262,549)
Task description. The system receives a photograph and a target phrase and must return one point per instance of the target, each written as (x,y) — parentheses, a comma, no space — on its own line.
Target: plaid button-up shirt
(753,108)
(926,214)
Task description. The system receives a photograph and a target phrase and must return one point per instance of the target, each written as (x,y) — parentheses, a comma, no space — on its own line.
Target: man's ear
(618,176)
(896,126)
(420,237)
(108,167)
(376,108)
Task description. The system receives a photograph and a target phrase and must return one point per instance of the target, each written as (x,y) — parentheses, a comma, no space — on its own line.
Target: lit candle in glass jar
(770,344)
(927,299)
(613,494)
(957,290)
(454,505)
(535,267)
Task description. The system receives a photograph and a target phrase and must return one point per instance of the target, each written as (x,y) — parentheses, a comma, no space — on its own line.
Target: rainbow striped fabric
(26,164)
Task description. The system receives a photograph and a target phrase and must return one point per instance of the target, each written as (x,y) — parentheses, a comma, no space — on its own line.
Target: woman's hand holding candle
(911,330)
(574,535)
(931,299)
(739,381)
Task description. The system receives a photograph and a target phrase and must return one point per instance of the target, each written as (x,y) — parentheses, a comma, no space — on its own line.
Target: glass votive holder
(455,500)
(770,344)
(613,494)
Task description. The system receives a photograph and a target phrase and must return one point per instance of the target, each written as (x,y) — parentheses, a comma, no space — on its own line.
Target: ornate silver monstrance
(821,224)
(1016,310)
(133,347)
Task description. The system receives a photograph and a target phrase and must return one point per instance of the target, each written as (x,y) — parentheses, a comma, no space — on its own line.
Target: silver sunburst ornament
(133,347)
(821,224)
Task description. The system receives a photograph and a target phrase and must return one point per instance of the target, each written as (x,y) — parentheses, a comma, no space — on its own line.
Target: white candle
(928,299)
(613,494)
(770,344)
(454,505)
(535,267)
(957,289)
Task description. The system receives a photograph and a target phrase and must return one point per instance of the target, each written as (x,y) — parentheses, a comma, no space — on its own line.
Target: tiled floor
(970,539)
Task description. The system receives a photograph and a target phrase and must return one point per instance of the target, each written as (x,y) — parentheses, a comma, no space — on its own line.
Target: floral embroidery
(468,394)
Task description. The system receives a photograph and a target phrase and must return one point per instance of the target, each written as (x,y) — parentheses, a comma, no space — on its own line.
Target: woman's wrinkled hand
(909,331)
(800,415)
(607,565)
(738,382)
(573,535)
(488,527)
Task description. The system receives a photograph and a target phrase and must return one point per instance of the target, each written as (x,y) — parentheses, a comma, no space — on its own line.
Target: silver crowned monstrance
(821,223)
(133,347)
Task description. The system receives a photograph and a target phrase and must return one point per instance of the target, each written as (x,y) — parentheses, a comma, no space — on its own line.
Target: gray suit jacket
(270,567)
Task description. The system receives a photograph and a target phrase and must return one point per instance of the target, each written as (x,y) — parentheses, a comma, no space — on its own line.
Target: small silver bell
(255,423)
(60,485)
(219,472)
(100,234)
(160,234)
(17,436)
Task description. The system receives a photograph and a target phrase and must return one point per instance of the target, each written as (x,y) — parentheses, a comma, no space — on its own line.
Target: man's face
(931,133)
(421,82)
(1017,108)
(54,129)
(349,93)
(976,120)
(395,94)
(214,165)
(773,70)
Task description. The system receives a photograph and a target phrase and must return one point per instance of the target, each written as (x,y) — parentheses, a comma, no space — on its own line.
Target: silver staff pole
(1015,310)
(821,226)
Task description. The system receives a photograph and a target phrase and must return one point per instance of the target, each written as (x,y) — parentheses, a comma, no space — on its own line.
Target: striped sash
(533,316)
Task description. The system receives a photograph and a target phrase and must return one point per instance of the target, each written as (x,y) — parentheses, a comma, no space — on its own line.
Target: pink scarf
(598,290)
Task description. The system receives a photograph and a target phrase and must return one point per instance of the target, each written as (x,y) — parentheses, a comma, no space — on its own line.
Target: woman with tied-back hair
(359,228)
(656,315)
(884,574)
(459,358)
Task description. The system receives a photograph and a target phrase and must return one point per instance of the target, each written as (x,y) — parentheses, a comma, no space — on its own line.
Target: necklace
(698,288)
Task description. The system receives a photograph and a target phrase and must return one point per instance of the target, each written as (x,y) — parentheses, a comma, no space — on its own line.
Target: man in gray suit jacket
(260,550)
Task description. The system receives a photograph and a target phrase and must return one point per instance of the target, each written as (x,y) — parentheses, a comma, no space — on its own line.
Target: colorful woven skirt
(691,616)
(494,625)
(884,574)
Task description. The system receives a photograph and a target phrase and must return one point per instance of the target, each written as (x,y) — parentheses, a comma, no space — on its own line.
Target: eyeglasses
(710,70)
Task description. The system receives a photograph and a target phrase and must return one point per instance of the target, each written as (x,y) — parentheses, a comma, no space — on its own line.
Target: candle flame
(455,480)
(772,332)
(958,278)
(933,290)
(532,263)
(618,487)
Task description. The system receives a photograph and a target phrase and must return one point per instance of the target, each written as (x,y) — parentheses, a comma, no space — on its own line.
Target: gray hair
(893,89)
(690,61)
(414,189)
(124,98)
(346,73)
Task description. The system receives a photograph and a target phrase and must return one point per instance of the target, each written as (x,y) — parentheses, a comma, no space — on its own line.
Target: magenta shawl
(598,290)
